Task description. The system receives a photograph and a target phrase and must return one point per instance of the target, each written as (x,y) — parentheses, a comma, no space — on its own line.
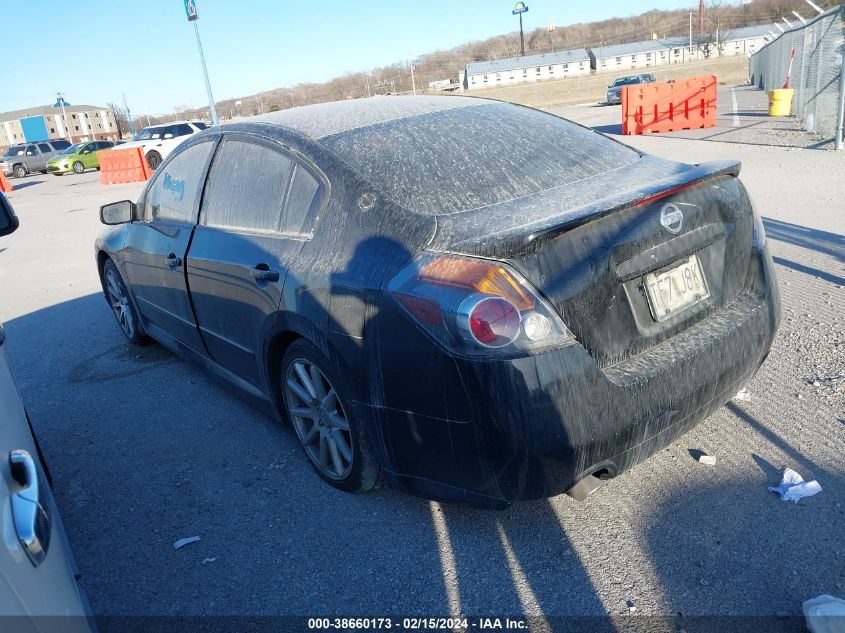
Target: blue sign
(60,102)
(520,7)
(191,10)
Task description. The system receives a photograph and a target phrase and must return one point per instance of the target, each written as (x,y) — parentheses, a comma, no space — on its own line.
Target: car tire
(153,159)
(319,405)
(117,295)
(78,167)
(58,174)
(19,171)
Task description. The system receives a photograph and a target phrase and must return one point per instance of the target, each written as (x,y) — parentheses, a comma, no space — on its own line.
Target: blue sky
(147,48)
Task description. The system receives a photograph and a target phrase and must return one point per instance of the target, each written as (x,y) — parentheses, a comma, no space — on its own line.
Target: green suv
(77,158)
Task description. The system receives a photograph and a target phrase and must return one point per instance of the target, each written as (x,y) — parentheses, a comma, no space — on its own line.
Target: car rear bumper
(541,423)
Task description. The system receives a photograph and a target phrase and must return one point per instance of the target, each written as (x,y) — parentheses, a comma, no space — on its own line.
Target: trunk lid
(593,246)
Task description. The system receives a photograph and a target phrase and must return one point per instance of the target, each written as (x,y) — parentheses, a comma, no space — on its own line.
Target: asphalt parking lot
(146,449)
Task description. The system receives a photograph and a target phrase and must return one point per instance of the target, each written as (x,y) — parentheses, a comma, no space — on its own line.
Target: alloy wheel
(319,419)
(78,167)
(154,160)
(119,302)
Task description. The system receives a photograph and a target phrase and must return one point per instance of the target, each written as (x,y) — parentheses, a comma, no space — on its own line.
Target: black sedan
(477,301)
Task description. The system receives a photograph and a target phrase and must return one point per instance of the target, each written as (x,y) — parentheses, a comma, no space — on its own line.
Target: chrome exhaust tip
(585,487)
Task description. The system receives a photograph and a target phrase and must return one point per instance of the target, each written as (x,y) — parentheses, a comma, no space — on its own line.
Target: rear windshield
(471,157)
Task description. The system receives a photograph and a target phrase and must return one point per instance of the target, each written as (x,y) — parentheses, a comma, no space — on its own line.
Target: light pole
(519,9)
(60,102)
(191,11)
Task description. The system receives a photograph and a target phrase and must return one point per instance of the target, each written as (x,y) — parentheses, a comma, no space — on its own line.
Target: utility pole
(690,33)
(519,9)
(191,11)
(128,115)
(700,17)
(413,82)
(60,100)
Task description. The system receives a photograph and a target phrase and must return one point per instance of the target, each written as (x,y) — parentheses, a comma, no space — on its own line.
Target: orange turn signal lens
(478,275)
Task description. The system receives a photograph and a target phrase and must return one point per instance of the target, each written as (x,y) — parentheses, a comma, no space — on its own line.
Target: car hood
(131,144)
(62,157)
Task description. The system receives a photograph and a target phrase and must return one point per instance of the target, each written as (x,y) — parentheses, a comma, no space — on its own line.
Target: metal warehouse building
(516,70)
(42,123)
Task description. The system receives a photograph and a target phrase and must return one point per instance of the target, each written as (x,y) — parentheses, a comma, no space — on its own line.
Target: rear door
(258,208)
(156,246)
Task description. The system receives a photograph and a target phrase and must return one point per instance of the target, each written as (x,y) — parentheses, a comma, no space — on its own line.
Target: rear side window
(46,149)
(471,157)
(172,194)
(256,188)
(200,125)
(182,129)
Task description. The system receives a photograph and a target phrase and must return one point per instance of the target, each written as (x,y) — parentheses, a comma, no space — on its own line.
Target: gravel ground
(146,449)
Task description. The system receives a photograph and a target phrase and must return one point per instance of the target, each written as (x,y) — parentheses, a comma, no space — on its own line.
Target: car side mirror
(168,135)
(8,220)
(117,212)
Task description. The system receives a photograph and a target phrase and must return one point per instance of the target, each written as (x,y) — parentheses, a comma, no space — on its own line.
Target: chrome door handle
(30,513)
(263,273)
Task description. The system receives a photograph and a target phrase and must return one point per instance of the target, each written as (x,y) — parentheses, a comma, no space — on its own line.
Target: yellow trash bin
(780,102)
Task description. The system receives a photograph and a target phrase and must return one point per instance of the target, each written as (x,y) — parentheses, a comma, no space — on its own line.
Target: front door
(258,209)
(157,245)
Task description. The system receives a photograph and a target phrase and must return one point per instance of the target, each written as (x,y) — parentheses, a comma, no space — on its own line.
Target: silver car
(614,90)
(37,570)
(27,158)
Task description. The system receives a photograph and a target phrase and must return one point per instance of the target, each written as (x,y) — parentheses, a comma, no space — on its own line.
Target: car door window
(183,129)
(246,187)
(31,151)
(172,194)
(45,149)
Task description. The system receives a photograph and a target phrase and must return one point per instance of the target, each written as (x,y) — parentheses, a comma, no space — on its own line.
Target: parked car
(614,90)
(36,563)
(20,160)
(158,141)
(475,324)
(77,158)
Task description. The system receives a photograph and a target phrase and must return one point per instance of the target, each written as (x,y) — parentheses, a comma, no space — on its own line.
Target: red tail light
(476,306)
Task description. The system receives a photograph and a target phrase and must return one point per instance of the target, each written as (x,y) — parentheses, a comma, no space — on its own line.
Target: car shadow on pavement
(813,239)
(28,183)
(155,449)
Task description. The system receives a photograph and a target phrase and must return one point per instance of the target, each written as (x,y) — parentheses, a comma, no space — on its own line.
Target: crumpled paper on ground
(793,487)
(825,614)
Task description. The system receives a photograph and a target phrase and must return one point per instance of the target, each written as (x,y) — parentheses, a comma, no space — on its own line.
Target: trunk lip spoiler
(522,240)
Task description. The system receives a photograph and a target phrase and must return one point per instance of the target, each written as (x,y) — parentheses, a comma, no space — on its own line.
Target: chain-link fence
(816,69)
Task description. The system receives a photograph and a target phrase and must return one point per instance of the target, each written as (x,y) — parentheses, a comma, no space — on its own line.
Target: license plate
(676,290)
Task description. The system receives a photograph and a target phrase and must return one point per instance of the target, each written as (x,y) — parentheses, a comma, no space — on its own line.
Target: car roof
(169,123)
(327,119)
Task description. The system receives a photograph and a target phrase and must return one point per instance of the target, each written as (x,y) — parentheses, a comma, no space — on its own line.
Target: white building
(42,123)
(675,50)
(517,70)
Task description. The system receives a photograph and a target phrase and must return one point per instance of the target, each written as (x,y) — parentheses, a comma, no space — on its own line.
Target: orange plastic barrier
(5,185)
(123,165)
(684,104)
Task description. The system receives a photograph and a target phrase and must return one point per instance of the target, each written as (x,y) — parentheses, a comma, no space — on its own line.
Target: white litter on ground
(793,487)
(182,542)
(825,614)
(709,460)
(742,395)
